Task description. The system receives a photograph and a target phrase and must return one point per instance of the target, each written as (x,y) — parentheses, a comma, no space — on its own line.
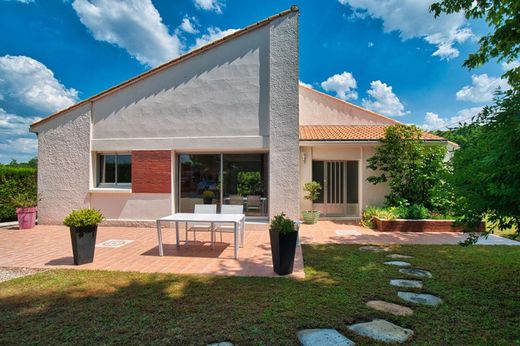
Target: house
(225,123)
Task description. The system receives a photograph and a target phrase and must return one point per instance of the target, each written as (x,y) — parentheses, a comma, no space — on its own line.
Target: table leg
(177,232)
(212,235)
(243,233)
(159,237)
(235,233)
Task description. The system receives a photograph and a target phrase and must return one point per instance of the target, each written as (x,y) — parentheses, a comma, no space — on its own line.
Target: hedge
(14,180)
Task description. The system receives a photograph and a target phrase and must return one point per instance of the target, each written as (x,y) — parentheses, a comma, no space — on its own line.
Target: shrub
(24,200)
(208,194)
(417,211)
(15,181)
(367,217)
(282,224)
(312,190)
(83,218)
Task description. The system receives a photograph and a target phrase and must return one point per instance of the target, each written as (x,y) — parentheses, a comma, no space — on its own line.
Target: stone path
(373,248)
(13,273)
(406,283)
(420,298)
(382,330)
(391,308)
(224,343)
(398,263)
(323,337)
(416,272)
(397,256)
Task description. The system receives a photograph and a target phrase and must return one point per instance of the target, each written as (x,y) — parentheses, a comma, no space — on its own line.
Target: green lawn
(480,286)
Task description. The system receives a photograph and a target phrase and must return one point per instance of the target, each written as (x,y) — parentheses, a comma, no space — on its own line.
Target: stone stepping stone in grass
(224,343)
(373,248)
(398,256)
(398,263)
(382,330)
(406,283)
(416,272)
(323,337)
(391,308)
(420,298)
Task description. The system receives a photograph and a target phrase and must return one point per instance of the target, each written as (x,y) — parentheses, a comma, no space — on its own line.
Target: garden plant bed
(424,225)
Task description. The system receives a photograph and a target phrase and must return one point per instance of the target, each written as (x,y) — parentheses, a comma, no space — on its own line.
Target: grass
(480,287)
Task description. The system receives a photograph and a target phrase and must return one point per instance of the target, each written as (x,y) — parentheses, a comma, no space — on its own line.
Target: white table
(234,219)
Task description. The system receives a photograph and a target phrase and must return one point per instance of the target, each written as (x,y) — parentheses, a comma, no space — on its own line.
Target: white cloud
(306,84)
(411,18)
(383,100)
(343,85)
(432,121)
(27,81)
(213,34)
(482,88)
(134,25)
(370,44)
(25,1)
(188,26)
(21,149)
(12,124)
(506,66)
(210,5)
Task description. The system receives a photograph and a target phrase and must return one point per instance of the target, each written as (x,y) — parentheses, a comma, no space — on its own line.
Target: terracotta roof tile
(351,133)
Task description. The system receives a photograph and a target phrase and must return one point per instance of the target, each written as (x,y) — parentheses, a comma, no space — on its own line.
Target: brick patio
(49,247)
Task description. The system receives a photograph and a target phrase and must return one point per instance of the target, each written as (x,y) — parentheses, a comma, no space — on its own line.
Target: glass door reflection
(199,180)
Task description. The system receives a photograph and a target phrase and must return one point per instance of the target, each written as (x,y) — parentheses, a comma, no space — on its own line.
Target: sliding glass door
(239,179)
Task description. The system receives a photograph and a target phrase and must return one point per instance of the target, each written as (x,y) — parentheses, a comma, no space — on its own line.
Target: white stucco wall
(283,125)
(217,99)
(319,109)
(63,165)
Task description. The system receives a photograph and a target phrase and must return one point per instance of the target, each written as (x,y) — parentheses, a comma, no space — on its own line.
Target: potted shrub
(83,230)
(207,196)
(25,204)
(283,233)
(312,190)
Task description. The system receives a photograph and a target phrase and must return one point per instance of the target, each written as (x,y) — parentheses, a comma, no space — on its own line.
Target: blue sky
(390,56)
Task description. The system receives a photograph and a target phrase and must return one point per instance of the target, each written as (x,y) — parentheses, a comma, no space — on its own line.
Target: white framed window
(114,170)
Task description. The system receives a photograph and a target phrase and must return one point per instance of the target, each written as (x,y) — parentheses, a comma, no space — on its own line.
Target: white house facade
(225,123)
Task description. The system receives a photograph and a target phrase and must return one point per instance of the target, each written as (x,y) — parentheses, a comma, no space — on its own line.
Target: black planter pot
(208,200)
(283,247)
(83,243)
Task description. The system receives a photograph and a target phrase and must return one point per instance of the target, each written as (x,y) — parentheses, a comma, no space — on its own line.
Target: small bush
(83,218)
(367,217)
(282,224)
(208,194)
(417,211)
(312,190)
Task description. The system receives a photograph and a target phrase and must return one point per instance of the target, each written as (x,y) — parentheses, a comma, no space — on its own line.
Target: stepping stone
(373,248)
(420,298)
(224,343)
(391,308)
(397,263)
(323,337)
(382,330)
(397,256)
(406,283)
(416,272)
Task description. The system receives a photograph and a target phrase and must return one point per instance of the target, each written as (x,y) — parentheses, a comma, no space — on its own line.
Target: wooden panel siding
(151,171)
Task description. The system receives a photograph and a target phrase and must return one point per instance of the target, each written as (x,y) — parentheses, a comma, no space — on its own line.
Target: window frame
(116,184)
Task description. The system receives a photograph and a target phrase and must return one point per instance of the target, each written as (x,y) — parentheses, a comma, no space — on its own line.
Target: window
(114,170)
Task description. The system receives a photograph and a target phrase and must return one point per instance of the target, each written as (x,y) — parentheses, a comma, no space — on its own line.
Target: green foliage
(312,190)
(24,200)
(282,224)
(83,218)
(415,212)
(462,134)
(208,194)
(249,183)
(415,171)
(14,181)
(502,42)
(367,217)
(487,169)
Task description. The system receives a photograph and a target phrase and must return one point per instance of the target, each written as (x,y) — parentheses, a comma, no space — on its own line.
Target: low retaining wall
(426,225)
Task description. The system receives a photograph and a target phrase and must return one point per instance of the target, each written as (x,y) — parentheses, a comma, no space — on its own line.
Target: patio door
(339,181)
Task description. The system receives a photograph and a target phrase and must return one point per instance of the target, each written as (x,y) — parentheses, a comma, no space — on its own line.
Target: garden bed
(422,225)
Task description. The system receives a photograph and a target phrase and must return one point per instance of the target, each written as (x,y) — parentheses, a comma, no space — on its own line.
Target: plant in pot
(207,196)
(283,233)
(25,204)
(312,190)
(83,230)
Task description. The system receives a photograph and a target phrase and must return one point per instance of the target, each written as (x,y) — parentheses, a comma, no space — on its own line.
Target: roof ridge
(169,63)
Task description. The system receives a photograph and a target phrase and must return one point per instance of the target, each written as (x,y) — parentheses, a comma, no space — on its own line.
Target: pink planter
(26,217)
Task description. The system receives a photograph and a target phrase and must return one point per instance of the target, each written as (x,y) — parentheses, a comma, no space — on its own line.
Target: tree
(414,170)
(503,42)
(486,168)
